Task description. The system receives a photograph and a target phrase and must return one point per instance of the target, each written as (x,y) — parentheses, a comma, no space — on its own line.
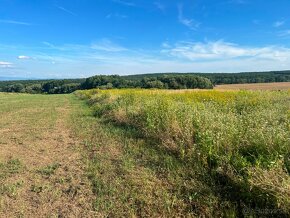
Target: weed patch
(215,153)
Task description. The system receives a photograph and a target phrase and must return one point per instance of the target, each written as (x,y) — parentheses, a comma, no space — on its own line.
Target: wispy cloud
(127,3)
(50,45)
(220,50)
(23,57)
(15,22)
(105,56)
(160,6)
(4,64)
(278,24)
(190,23)
(116,15)
(165,45)
(240,2)
(108,46)
(284,33)
(65,10)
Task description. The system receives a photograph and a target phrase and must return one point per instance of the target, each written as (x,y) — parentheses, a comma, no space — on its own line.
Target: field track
(41,173)
(255,86)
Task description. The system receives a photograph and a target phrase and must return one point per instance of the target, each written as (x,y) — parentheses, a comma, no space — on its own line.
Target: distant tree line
(159,82)
(106,82)
(41,86)
(230,78)
(147,81)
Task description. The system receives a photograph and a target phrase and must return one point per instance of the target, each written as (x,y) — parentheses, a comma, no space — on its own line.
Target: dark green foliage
(176,82)
(41,86)
(59,87)
(228,78)
(104,82)
(159,82)
(17,87)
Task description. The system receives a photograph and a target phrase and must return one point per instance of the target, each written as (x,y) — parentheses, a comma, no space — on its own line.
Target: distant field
(255,86)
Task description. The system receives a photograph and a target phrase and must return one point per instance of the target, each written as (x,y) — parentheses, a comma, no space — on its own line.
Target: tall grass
(237,141)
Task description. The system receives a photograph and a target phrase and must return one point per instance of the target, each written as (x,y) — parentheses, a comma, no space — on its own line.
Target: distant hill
(14,78)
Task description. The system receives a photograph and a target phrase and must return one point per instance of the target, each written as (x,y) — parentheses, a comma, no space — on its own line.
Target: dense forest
(229,78)
(41,86)
(107,82)
(159,81)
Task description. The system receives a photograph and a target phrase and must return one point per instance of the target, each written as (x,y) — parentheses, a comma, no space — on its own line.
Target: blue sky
(80,38)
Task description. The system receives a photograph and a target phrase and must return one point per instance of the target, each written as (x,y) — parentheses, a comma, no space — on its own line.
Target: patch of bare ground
(41,171)
(255,86)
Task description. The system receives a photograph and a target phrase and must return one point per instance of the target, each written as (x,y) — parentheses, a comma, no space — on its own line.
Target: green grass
(9,169)
(207,153)
(49,170)
(154,153)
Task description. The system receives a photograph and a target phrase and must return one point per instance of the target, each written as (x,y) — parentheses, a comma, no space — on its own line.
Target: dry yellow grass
(255,86)
(41,172)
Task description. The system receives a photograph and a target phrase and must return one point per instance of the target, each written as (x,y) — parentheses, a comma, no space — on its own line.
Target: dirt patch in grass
(51,180)
(255,86)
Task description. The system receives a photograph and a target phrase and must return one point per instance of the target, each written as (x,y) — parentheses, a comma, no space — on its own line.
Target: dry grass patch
(35,130)
(255,86)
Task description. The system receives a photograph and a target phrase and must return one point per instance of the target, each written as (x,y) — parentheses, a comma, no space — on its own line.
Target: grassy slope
(40,168)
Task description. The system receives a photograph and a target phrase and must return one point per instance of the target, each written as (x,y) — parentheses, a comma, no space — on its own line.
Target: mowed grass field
(255,86)
(41,168)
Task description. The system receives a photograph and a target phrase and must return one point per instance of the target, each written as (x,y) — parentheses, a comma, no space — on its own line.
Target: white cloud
(190,23)
(219,50)
(65,10)
(103,57)
(278,24)
(108,46)
(15,22)
(23,57)
(131,4)
(4,64)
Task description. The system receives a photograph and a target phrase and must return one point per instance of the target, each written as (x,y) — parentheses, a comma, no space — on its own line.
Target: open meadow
(145,153)
(144,108)
(192,153)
